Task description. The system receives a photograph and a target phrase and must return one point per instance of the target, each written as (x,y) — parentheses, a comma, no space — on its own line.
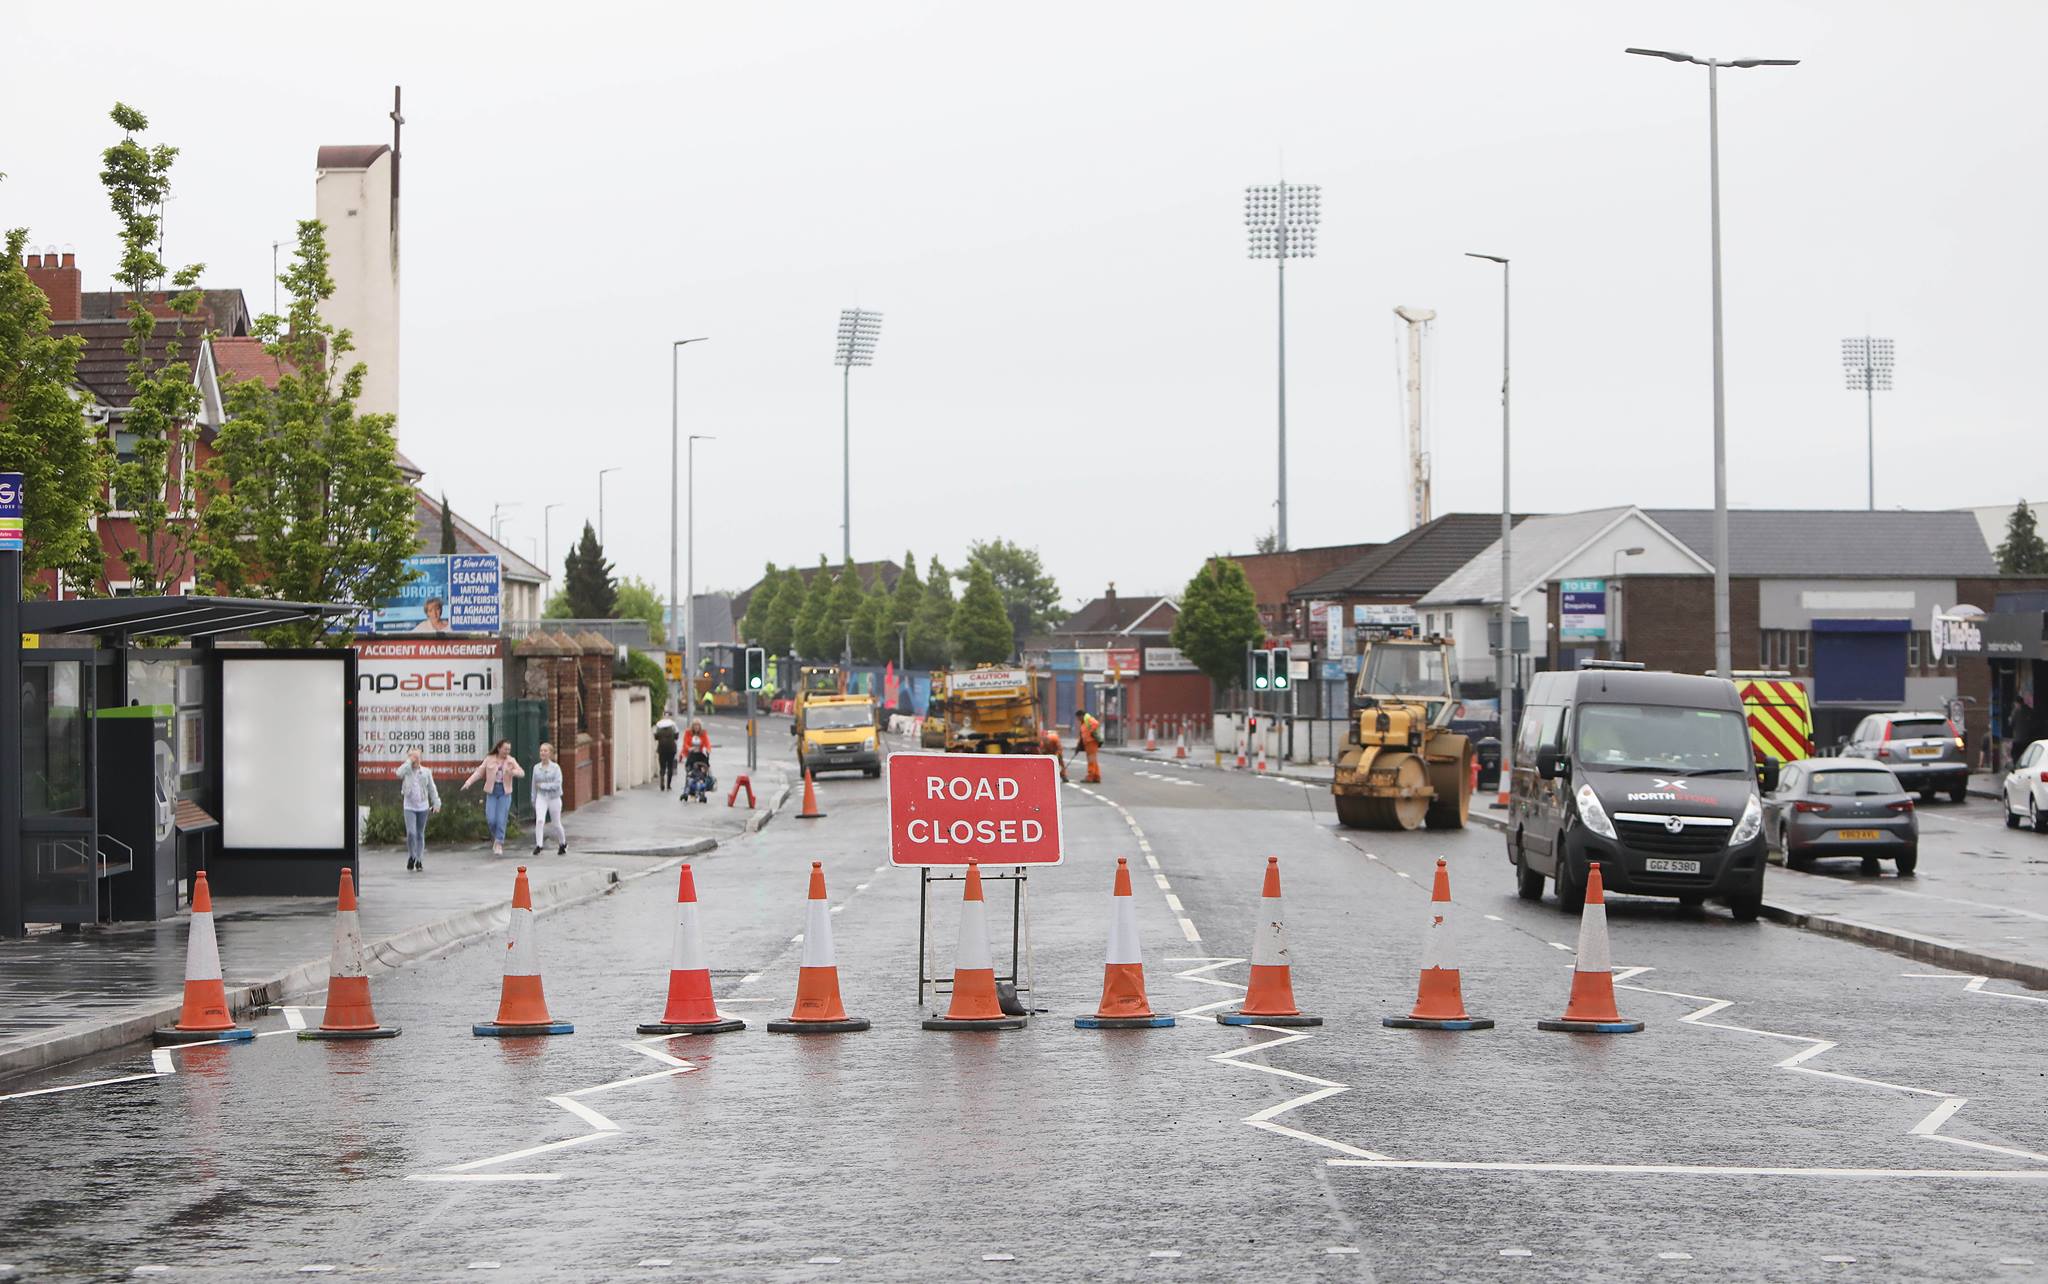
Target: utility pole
(1418,320)
(859,331)
(1868,364)
(675,617)
(1505,666)
(1280,220)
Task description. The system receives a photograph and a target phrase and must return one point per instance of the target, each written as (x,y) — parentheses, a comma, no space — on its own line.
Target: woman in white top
(547,800)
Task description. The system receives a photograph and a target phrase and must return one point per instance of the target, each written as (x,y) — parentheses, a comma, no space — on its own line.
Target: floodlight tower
(1280,223)
(1868,364)
(858,331)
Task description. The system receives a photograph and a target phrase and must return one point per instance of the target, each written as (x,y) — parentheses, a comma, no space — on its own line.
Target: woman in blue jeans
(419,799)
(497,773)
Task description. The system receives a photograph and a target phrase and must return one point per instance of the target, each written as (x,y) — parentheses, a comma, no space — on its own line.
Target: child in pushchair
(697,781)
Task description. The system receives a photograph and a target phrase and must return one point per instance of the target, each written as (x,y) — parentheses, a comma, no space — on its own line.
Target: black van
(1651,774)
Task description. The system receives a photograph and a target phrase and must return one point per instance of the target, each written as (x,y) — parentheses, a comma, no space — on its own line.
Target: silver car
(1842,807)
(1924,750)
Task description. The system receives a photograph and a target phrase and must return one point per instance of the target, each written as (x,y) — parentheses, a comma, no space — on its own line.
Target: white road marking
(1342,1250)
(750,977)
(1173,902)
(1839,1258)
(317,1268)
(1160,879)
(1974,985)
(998,1257)
(485,1266)
(1164,1252)
(1560,945)
(483,1176)
(161,1059)
(824,1261)
(2015,1261)
(74,1087)
(654,1261)
(295,1020)
(1187,929)
(1674,1257)
(1508,1252)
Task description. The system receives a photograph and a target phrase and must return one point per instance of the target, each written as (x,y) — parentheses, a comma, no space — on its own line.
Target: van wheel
(1870,865)
(1960,793)
(2012,818)
(1907,863)
(1797,860)
(1528,883)
(1746,908)
(1571,896)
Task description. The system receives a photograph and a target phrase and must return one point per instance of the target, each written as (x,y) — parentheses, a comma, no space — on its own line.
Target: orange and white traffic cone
(204,1018)
(1439,1002)
(1180,745)
(818,1009)
(348,1014)
(810,811)
(1262,756)
(1151,735)
(1269,1000)
(1123,1006)
(522,1008)
(1591,1009)
(975,1005)
(691,1009)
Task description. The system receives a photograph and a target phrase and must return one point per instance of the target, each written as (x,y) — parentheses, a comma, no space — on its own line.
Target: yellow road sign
(674,666)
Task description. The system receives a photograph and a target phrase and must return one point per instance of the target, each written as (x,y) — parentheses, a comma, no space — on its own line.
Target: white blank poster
(283,754)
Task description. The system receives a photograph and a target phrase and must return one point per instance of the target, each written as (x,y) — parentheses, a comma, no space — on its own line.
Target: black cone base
(1429,1023)
(702,1027)
(1590,1027)
(172,1035)
(378,1032)
(987,1023)
(1252,1018)
(851,1025)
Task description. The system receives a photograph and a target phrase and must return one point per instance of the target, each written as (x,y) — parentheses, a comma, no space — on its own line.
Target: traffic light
(757,668)
(1282,666)
(1262,669)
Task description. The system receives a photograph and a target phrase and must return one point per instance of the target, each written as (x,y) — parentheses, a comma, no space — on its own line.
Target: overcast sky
(1046,202)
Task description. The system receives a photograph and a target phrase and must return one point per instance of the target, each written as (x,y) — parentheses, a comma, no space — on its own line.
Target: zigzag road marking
(1975,985)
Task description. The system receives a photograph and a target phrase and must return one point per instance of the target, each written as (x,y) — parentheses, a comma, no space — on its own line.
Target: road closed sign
(950,808)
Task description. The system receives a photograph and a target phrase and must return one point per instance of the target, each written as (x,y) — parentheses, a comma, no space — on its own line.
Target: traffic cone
(522,1008)
(1591,1009)
(1262,757)
(1123,1004)
(204,1017)
(975,1005)
(818,1009)
(1180,745)
(691,1009)
(1439,1004)
(810,811)
(348,1014)
(1269,1000)
(1152,735)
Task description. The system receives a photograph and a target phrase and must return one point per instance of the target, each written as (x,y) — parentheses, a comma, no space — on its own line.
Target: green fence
(523,722)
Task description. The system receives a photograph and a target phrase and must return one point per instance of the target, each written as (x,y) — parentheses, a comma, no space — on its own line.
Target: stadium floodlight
(859,330)
(1867,364)
(1280,222)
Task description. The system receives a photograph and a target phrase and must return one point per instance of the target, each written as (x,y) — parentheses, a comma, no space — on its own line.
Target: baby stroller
(697,780)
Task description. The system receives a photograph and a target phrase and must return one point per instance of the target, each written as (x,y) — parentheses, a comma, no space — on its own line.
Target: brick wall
(59,278)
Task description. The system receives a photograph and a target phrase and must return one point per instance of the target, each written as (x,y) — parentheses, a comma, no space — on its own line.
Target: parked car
(1924,751)
(1826,807)
(2026,787)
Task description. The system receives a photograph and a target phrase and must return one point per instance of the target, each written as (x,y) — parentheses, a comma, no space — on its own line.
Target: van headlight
(1751,824)
(868,743)
(1593,814)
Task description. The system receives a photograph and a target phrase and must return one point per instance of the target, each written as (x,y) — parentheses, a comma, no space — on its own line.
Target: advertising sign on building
(458,593)
(10,512)
(1167,659)
(1582,610)
(947,809)
(1124,660)
(1384,615)
(430,694)
(1958,631)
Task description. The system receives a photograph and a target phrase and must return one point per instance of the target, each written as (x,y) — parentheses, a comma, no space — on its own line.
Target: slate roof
(349,155)
(1540,543)
(1274,575)
(1837,543)
(103,366)
(238,359)
(222,311)
(1112,614)
(1413,564)
(468,539)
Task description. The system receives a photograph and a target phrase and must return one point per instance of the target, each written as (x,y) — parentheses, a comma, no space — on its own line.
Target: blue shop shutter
(1862,661)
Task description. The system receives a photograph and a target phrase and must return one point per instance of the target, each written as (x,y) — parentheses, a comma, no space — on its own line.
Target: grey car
(1826,807)
(1923,750)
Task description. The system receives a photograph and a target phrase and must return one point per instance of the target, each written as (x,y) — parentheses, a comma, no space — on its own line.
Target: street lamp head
(1637,551)
(1762,62)
(1664,53)
(680,342)
(1490,258)
(858,332)
(1280,220)
(1867,364)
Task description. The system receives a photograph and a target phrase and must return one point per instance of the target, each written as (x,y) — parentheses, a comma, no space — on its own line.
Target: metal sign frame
(1020,973)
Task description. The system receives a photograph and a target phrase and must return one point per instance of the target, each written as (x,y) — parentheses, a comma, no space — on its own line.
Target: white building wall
(633,760)
(355,204)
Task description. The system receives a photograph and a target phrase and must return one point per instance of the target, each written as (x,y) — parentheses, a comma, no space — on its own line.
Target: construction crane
(1418,320)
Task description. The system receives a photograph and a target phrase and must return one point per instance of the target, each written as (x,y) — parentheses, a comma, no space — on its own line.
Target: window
(1801,641)
(1854,783)
(124,454)
(1914,649)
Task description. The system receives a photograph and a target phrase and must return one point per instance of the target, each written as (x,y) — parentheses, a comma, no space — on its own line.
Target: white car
(2026,787)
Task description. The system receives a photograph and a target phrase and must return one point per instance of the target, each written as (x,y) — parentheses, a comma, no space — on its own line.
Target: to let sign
(950,808)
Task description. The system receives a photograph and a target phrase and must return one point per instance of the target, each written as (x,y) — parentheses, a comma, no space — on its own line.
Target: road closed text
(946,809)
(962,832)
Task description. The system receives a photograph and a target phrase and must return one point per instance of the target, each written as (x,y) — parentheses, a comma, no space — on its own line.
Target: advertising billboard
(1581,610)
(457,593)
(430,694)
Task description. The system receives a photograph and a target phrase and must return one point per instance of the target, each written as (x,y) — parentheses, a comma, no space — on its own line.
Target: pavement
(65,995)
(1800,1107)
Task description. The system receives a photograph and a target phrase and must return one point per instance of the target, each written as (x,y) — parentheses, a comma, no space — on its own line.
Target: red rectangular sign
(949,808)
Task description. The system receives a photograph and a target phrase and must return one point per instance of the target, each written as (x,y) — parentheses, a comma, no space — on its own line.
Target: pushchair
(697,780)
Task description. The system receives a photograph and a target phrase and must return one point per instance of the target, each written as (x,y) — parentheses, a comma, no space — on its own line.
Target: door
(59,790)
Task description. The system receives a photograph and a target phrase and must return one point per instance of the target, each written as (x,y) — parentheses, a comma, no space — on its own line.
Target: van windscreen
(1633,737)
(838,717)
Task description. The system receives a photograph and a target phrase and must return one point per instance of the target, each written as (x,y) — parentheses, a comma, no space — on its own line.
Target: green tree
(164,399)
(901,614)
(447,527)
(1030,596)
(929,644)
(814,637)
(44,435)
(587,584)
(843,606)
(644,670)
(759,605)
(636,599)
(778,627)
(870,623)
(981,632)
(306,499)
(1219,621)
(2023,552)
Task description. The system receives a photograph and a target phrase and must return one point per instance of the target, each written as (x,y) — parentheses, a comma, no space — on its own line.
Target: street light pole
(688,623)
(1280,220)
(1868,364)
(1614,638)
(600,498)
(547,543)
(1723,665)
(1504,667)
(674,443)
(859,330)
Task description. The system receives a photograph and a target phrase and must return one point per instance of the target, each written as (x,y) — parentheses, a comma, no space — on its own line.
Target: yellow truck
(990,710)
(837,733)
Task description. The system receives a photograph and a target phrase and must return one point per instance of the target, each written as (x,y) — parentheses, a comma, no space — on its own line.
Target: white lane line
(1187,929)
(294,1019)
(655,1261)
(1152,861)
(585,1113)
(483,1176)
(1674,1257)
(1173,903)
(1973,985)
(750,977)
(74,1087)
(161,1059)
(1696,1170)
(1160,879)
(1560,945)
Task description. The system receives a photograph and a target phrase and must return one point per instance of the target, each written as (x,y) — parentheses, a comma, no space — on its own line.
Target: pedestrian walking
(497,773)
(419,798)
(696,748)
(665,738)
(547,801)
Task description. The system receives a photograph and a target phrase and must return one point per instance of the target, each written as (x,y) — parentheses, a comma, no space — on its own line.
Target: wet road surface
(1776,1119)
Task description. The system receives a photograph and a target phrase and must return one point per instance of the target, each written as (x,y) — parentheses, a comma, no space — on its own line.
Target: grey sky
(1045,200)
